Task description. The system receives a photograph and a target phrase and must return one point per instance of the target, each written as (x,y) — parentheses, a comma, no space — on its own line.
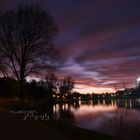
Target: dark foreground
(12,126)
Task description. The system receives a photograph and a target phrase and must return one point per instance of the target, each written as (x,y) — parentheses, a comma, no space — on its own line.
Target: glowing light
(138,81)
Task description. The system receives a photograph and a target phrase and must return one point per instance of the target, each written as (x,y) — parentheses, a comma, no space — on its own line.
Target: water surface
(114,117)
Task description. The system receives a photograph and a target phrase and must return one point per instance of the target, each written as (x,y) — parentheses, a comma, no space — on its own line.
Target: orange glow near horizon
(84,89)
(82,86)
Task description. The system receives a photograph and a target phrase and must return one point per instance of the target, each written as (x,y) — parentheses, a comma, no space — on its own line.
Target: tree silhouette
(51,81)
(26,35)
(66,85)
(55,85)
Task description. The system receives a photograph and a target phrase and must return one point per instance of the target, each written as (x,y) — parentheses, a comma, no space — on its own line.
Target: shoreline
(14,127)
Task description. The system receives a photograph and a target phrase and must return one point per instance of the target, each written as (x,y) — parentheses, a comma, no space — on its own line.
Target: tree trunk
(21,91)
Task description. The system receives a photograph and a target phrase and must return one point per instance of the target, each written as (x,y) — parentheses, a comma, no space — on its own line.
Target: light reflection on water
(114,117)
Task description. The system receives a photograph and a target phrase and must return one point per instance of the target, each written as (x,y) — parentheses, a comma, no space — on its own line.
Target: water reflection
(114,117)
(63,113)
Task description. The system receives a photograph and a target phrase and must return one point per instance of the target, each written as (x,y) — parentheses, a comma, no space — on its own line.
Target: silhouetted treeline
(8,87)
(52,88)
(55,89)
(127,93)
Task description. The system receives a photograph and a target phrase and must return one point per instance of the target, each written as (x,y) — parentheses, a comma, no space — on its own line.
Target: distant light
(138,79)
(138,82)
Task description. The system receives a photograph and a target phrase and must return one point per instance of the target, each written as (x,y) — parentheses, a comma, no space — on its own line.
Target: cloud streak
(101,37)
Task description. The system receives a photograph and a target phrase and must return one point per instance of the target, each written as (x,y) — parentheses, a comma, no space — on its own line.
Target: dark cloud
(8,4)
(120,51)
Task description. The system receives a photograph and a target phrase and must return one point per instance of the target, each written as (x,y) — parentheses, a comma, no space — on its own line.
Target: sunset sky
(99,41)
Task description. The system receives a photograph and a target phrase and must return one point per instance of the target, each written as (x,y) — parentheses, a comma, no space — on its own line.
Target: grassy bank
(75,133)
(14,127)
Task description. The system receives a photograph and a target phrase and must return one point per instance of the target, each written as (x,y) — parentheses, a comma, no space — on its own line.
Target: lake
(114,117)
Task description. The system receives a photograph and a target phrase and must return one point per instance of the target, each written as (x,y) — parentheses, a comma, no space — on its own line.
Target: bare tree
(26,35)
(3,68)
(62,87)
(51,81)
(66,85)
